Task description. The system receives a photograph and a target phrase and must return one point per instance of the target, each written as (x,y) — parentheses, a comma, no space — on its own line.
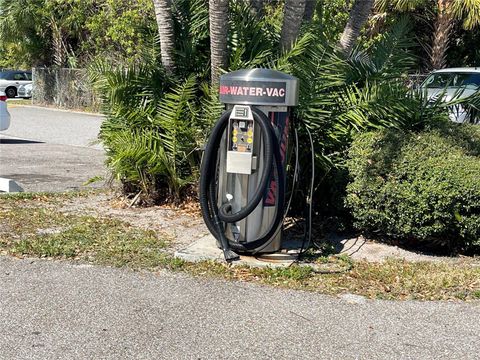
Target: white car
(451,84)
(25,91)
(4,114)
(10,81)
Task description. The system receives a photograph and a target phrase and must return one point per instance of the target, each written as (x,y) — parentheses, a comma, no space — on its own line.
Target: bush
(151,136)
(421,187)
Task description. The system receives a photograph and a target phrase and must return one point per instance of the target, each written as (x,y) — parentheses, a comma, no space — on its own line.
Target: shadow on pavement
(19,141)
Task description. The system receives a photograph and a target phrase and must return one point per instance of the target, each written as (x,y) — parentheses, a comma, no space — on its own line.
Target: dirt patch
(181,226)
(360,248)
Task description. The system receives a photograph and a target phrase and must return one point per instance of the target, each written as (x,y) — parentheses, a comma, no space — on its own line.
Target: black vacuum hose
(208,187)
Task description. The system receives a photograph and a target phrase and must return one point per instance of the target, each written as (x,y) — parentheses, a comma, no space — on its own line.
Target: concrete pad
(360,248)
(206,248)
(9,186)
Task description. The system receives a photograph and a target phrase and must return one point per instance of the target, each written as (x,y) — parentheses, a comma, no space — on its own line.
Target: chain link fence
(415,80)
(71,88)
(64,88)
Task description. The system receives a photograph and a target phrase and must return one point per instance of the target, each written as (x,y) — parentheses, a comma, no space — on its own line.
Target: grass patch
(44,232)
(19,102)
(28,102)
(47,196)
(30,225)
(393,280)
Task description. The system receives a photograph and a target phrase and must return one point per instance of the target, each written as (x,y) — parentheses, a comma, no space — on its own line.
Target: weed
(93,180)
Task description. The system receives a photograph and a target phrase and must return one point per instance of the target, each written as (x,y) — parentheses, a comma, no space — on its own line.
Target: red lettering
(270,200)
(251,91)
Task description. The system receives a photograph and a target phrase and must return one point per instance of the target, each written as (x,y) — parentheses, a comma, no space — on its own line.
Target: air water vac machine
(243,172)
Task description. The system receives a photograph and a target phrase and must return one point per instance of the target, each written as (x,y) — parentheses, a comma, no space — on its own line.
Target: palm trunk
(257,7)
(218,14)
(163,15)
(358,16)
(58,45)
(309,10)
(292,20)
(441,34)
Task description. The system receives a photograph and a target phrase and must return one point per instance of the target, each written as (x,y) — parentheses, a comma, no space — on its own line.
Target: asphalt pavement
(51,150)
(59,310)
(54,126)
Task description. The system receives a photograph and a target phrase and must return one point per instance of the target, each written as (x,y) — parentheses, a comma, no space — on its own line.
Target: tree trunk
(292,20)
(257,7)
(58,45)
(358,16)
(441,34)
(309,10)
(163,15)
(218,14)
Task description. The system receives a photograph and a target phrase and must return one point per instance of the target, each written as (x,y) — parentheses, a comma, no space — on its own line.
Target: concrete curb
(9,186)
(56,109)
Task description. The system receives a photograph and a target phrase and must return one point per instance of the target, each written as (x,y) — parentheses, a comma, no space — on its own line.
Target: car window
(443,80)
(19,76)
(467,80)
(438,81)
(7,75)
(29,76)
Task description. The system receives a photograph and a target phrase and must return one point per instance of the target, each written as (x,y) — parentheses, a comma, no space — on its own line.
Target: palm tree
(163,13)
(358,16)
(441,33)
(218,15)
(309,10)
(40,31)
(257,7)
(447,12)
(292,20)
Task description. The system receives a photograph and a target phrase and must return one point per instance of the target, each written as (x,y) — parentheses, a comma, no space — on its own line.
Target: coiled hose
(216,218)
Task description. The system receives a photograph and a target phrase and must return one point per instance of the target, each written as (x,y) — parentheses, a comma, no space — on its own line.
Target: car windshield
(443,80)
(3,75)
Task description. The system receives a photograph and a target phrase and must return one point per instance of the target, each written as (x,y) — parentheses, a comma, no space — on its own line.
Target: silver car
(25,91)
(10,81)
(453,84)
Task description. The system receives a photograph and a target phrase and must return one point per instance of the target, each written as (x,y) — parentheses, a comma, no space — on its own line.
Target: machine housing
(241,149)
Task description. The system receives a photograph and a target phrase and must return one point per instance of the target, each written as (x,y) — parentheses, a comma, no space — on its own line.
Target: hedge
(421,187)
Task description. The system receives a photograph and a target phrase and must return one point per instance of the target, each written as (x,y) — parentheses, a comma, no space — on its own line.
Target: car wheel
(11,92)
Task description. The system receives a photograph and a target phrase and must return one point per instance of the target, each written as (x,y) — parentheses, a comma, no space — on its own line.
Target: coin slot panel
(241,137)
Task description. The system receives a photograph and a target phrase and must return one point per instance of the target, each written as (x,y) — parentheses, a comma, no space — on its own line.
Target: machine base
(205,249)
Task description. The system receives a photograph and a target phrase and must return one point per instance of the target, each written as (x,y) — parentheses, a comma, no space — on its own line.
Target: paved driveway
(49,150)
(57,310)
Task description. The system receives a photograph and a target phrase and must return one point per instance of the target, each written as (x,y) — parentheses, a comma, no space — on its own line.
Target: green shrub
(420,187)
(153,146)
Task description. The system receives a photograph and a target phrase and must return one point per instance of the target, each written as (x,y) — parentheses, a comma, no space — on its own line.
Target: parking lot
(51,150)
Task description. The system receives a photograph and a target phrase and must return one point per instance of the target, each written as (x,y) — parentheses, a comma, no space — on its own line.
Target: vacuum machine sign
(253,91)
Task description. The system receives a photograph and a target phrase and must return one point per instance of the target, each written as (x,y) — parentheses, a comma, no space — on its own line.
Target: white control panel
(240,133)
